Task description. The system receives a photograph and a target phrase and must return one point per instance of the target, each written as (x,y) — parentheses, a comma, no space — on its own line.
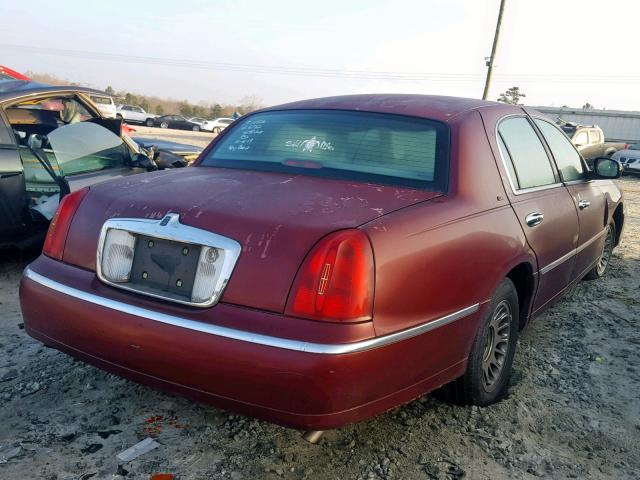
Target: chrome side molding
(572,253)
(233,334)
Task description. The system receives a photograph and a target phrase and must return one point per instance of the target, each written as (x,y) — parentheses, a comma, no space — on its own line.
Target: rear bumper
(283,379)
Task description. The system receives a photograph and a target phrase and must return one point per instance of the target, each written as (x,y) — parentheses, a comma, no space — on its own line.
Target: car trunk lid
(275,217)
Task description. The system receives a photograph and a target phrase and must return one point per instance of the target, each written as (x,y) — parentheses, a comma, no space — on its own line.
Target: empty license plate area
(163,267)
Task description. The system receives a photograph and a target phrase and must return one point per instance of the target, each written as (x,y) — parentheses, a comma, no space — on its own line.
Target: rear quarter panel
(449,253)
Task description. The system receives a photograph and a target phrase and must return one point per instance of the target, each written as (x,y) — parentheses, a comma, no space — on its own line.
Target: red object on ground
(127,129)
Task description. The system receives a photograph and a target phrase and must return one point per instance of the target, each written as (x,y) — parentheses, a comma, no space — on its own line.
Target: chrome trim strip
(573,252)
(591,240)
(170,228)
(266,340)
(557,262)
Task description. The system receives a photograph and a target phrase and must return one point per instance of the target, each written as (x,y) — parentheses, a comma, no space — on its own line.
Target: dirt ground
(573,410)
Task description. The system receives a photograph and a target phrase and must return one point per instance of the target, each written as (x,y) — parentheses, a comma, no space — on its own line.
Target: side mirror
(140,160)
(605,167)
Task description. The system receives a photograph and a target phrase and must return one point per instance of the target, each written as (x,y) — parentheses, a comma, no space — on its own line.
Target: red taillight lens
(336,280)
(59,226)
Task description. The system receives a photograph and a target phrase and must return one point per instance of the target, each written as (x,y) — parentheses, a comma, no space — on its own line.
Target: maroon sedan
(329,259)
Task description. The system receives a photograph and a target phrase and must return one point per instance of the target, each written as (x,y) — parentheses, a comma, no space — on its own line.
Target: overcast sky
(557,51)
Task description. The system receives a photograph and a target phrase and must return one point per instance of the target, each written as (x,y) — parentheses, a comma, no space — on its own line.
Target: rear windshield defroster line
(361,146)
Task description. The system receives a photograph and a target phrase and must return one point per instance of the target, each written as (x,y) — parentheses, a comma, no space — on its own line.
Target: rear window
(372,147)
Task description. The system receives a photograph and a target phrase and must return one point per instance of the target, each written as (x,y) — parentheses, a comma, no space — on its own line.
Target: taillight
(59,226)
(335,282)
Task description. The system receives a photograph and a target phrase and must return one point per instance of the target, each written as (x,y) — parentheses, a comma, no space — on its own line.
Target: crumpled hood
(276,218)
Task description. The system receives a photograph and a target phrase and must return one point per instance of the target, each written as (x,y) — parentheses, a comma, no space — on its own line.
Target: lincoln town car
(327,260)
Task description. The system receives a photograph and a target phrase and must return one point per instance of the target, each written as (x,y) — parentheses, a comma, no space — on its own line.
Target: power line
(321,72)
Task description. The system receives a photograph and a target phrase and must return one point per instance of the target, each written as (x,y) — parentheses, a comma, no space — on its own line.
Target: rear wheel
(600,267)
(196,128)
(489,366)
(149,122)
(164,125)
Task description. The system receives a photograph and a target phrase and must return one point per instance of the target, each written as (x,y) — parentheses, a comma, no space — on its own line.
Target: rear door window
(567,158)
(531,164)
(345,144)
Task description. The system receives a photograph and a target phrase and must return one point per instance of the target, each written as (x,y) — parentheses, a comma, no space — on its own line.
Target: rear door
(137,114)
(13,198)
(588,198)
(543,205)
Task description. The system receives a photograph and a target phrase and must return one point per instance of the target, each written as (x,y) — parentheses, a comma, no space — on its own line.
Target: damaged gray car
(53,140)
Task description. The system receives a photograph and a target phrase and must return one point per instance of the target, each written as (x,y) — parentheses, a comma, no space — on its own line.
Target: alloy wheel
(496,345)
(607,250)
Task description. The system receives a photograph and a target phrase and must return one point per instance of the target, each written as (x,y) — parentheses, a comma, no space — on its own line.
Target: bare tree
(249,103)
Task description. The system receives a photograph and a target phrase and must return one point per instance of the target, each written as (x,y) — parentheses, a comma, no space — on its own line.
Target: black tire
(476,387)
(217,130)
(120,117)
(196,128)
(600,268)
(164,125)
(149,122)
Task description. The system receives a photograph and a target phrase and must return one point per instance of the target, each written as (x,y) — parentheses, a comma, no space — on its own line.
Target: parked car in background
(629,158)
(7,73)
(215,126)
(53,141)
(203,122)
(105,105)
(327,260)
(135,114)
(590,141)
(175,121)
(219,124)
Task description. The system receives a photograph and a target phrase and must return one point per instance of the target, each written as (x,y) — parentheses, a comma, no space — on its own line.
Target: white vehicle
(219,124)
(135,114)
(105,105)
(629,158)
(203,122)
(215,126)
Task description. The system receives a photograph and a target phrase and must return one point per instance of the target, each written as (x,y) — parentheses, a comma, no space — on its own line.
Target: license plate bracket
(164,267)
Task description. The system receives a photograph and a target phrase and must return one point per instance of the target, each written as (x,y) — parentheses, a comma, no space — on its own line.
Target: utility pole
(490,60)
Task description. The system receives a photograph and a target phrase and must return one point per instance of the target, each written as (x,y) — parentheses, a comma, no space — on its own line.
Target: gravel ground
(573,409)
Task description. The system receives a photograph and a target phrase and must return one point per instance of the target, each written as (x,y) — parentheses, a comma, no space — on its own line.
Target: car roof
(20,88)
(435,107)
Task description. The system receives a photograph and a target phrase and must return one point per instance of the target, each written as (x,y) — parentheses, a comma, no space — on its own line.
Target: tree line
(164,106)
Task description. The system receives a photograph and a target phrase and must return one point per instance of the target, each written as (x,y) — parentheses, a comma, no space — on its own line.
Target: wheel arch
(618,218)
(523,279)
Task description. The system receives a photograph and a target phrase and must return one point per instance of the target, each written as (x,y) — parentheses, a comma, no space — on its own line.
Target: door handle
(534,219)
(582,204)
